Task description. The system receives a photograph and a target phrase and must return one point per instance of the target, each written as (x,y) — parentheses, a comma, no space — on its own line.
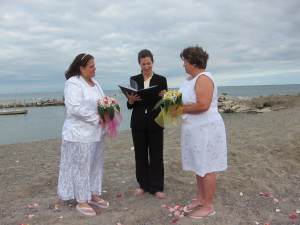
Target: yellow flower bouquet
(170,116)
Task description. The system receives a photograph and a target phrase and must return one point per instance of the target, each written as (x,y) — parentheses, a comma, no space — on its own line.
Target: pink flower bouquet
(109,111)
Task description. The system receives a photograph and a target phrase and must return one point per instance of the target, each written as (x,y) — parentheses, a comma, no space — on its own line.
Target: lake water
(41,123)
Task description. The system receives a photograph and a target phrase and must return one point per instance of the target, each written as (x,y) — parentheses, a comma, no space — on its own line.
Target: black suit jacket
(139,119)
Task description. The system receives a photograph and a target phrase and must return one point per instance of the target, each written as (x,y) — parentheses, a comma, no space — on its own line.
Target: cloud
(249,43)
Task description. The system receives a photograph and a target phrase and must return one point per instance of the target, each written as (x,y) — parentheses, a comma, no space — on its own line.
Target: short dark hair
(145,53)
(80,60)
(195,55)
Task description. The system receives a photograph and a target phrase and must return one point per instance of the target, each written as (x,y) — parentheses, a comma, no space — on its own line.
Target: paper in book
(145,93)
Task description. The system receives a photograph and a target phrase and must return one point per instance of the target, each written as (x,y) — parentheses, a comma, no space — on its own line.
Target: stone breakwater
(41,103)
(226,103)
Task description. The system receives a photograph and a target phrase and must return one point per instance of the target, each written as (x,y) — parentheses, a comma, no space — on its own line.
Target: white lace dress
(83,143)
(203,135)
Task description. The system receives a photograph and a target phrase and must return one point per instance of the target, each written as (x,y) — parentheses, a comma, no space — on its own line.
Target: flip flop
(200,217)
(185,208)
(99,203)
(80,209)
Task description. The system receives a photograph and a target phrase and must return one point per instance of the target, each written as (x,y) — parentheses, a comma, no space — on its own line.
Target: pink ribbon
(111,125)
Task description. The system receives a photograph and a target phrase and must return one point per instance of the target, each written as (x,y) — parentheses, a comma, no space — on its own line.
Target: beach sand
(263,158)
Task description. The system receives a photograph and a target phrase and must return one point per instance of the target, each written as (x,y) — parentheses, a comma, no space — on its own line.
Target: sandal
(81,210)
(101,203)
(189,209)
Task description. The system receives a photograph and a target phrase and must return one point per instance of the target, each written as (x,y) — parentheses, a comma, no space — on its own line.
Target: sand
(262,178)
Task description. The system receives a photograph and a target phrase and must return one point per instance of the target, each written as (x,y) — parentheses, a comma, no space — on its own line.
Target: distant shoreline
(226,103)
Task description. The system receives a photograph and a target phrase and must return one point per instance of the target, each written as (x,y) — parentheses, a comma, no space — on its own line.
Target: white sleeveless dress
(203,135)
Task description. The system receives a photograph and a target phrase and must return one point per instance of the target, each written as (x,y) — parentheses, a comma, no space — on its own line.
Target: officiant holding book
(147,135)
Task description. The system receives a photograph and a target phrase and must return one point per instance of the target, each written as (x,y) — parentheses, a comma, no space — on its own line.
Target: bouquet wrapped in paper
(170,116)
(109,111)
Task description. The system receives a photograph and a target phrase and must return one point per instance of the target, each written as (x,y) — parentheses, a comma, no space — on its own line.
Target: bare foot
(203,212)
(138,191)
(160,194)
(192,206)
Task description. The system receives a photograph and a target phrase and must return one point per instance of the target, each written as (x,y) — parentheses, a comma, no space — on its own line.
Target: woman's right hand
(133,97)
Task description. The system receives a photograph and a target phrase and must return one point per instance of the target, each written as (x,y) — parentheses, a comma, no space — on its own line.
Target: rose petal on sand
(298,211)
(163,205)
(171,209)
(267,223)
(185,214)
(256,222)
(293,217)
(177,213)
(278,210)
(261,193)
(126,209)
(99,212)
(119,196)
(36,204)
(276,200)
(267,195)
(30,206)
(17,161)
(175,221)
(104,191)
(57,206)
(30,216)
(178,207)
(241,194)
(60,217)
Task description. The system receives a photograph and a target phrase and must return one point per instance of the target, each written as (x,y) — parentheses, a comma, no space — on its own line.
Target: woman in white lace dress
(203,136)
(83,138)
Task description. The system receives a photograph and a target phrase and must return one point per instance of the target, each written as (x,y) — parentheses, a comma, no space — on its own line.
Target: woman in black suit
(146,134)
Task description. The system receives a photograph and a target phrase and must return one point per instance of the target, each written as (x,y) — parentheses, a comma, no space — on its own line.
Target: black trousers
(148,147)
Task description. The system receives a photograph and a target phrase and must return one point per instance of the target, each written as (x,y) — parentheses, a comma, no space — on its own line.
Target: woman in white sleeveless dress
(203,136)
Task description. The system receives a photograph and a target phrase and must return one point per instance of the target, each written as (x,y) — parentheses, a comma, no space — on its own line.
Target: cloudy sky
(249,42)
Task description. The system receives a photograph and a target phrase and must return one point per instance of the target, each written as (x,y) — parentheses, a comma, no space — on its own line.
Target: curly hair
(80,60)
(195,55)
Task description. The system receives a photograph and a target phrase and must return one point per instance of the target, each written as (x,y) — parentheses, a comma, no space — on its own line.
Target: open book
(145,93)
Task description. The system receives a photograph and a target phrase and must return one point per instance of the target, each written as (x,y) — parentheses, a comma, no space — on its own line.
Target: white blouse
(82,121)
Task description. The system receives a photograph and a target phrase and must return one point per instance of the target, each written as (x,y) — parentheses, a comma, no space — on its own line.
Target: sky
(249,42)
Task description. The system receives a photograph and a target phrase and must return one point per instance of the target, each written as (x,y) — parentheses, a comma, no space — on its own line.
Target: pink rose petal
(298,211)
(177,213)
(30,206)
(163,205)
(99,212)
(175,221)
(36,204)
(276,200)
(293,217)
(57,206)
(30,216)
(119,196)
(267,223)
(178,207)
(171,209)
